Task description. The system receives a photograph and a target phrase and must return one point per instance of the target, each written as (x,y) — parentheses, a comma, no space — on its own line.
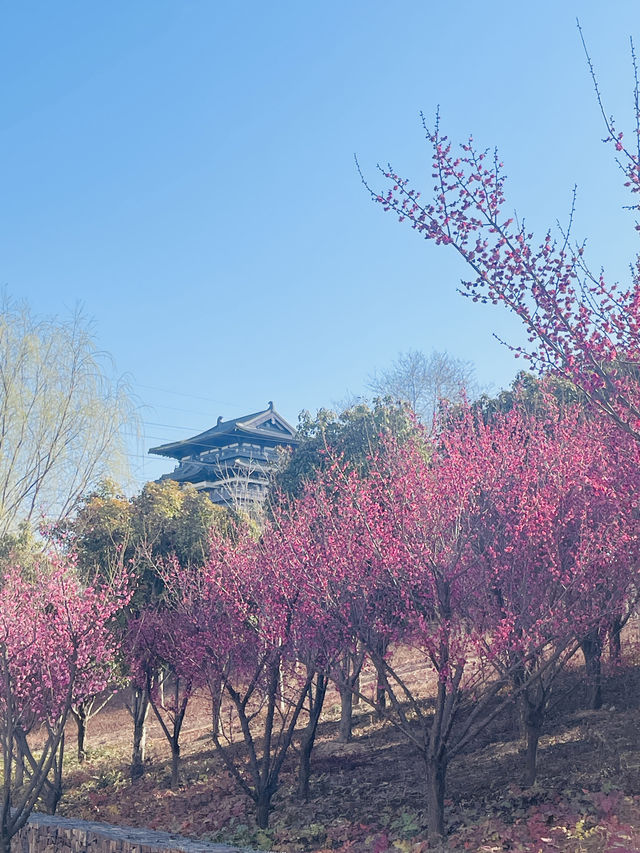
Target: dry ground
(367,795)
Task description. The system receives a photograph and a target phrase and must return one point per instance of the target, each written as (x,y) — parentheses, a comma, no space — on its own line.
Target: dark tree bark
(591,646)
(436,759)
(615,646)
(345,728)
(357,699)
(317,693)
(380,697)
(263,807)
(215,689)
(346,676)
(172,729)
(436,772)
(533,723)
(83,712)
(51,793)
(139,710)
(19,767)
(175,765)
(80,716)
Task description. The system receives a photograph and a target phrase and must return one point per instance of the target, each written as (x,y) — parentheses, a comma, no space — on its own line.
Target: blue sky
(184,171)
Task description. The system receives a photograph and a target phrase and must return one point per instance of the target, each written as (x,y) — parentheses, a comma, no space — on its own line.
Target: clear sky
(184,170)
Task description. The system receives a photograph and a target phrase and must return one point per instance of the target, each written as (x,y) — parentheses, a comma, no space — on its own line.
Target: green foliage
(353,435)
(164,521)
(530,393)
(102,531)
(21,548)
(174,520)
(111,780)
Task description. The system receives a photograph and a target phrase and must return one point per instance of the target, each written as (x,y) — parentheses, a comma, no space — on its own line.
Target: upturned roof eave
(208,438)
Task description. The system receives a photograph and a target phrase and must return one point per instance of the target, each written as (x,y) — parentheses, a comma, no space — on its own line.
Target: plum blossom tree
(56,648)
(551,395)
(155,649)
(560,543)
(492,553)
(579,324)
(349,439)
(334,543)
(249,621)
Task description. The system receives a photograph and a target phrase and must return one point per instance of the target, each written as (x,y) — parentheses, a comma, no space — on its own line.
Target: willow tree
(62,415)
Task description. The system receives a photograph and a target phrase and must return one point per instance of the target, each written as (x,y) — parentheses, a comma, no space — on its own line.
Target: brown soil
(368,795)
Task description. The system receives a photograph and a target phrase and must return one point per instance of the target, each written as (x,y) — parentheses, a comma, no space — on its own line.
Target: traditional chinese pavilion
(232,460)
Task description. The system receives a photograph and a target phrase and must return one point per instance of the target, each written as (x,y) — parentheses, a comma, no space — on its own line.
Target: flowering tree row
(493,553)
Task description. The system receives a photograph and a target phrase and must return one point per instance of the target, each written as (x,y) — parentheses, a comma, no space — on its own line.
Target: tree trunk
(215,688)
(591,646)
(263,805)
(5,837)
(309,736)
(304,768)
(380,695)
(533,724)
(615,646)
(519,717)
(436,776)
(175,765)
(380,699)
(52,789)
(533,737)
(19,765)
(139,710)
(520,705)
(356,690)
(346,715)
(80,716)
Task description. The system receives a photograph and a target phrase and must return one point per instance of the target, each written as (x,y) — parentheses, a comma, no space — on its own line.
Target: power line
(172,426)
(175,409)
(186,394)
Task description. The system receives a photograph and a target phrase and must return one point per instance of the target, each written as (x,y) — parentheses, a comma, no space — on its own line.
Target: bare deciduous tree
(424,380)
